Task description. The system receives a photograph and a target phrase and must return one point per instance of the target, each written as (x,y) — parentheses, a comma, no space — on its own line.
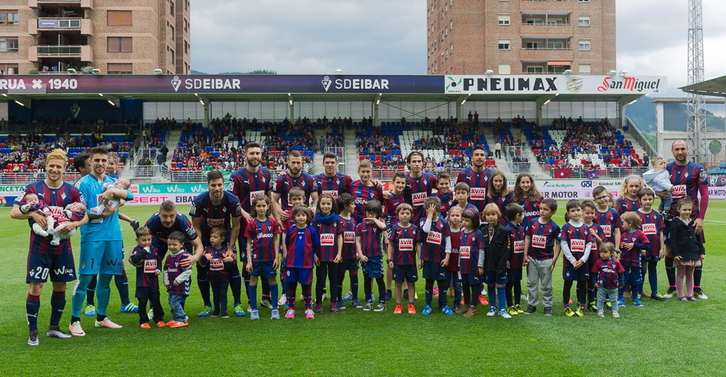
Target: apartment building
(113,37)
(468,37)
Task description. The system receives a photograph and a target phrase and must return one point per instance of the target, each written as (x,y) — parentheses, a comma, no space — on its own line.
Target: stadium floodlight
(488,72)
(622,73)
(158,71)
(338,71)
(71,71)
(567,72)
(612,73)
(96,71)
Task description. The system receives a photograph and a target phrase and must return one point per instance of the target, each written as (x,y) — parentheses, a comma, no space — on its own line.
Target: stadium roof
(322,88)
(713,87)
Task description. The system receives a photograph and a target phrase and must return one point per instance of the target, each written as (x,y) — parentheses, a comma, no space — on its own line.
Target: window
(171,7)
(555,45)
(584,1)
(534,45)
(120,68)
(584,69)
(118,18)
(8,17)
(171,56)
(8,69)
(119,44)
(503,19)
(583,21)
(584,45)
(8,44)
(535,69)
(504,44)
(505,69)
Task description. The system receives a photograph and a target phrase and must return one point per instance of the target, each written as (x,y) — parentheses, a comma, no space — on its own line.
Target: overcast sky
(389,37)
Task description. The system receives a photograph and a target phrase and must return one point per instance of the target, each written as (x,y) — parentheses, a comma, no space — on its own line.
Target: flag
(563,173)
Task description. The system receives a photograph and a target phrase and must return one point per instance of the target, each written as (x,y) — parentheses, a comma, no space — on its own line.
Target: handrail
(647,146)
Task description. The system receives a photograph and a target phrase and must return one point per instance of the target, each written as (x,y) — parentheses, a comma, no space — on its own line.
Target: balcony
(564,30)
(546,54)
(83,25)
(85,53)
(83,3)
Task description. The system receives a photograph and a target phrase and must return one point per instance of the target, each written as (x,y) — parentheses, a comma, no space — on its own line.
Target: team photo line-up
(479,239)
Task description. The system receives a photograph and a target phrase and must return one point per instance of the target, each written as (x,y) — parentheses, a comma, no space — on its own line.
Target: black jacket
(497,251)
(684,241)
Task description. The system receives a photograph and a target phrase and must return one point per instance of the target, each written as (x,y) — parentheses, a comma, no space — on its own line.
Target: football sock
(57,305)
(32,307)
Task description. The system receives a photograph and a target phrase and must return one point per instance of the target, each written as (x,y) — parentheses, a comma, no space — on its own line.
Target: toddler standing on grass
(177,279)
(607,269)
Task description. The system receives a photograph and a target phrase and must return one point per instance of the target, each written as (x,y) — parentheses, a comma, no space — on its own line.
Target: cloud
(389,37)
(299,37)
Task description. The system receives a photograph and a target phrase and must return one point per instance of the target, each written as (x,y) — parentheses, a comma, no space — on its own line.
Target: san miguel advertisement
(554,84)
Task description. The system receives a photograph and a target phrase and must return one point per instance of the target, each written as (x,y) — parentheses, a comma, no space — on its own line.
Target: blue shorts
(406,273)
(514,274)
(433,271)
(60,268)
(348,265)
(470,279)
(101,257)
(147,292)
(299,275)
(576,274)
(373,268)
(263,269)
(632,276)
(492,278)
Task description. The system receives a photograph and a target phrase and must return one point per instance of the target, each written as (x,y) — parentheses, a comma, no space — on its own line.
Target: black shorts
(348,265)
(433,271)
(576,274)
(407,273)
(147,292)
(60,268)
(514,274)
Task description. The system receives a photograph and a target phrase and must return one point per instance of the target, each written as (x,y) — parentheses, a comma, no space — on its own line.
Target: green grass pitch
(656,340)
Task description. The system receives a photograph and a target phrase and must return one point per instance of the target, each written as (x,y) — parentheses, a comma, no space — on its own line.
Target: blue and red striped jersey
(626,205)
(542,239)
(149,264)
(632,257)
(416,192)
(328,234)
(362,195)
(453,265)
(348,227)
(159,232)
(247,185)
(55,200)
(577,237)
(608,221)
(286,182)
(686,181)
(404,241)
(172,269)
(471,243)
(433,243)
(262,235)
(217,273)
(477,184)
(516,241)
(212,216)
(501,202)
(607,272)
(598,230)
(531,212)
(389,209)
(301,245)
(446,199)
(652,224)
(370,239)
(333,186)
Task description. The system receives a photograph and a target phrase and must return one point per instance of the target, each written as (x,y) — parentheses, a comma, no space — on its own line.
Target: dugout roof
(713,87)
